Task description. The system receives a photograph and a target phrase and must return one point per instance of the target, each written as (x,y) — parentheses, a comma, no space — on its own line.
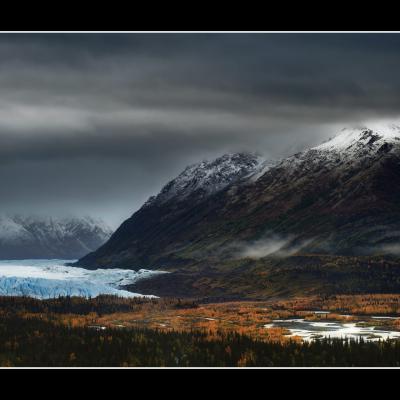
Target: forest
(103,304)
(31,342)
(112,332)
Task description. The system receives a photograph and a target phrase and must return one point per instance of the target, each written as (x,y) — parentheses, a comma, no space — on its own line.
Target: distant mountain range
(26,237)
(340,198)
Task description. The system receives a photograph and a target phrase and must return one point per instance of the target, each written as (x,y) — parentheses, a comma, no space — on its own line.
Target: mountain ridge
(333,198)
(27,236)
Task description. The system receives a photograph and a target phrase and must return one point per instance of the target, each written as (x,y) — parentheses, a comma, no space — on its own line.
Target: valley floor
(111,331)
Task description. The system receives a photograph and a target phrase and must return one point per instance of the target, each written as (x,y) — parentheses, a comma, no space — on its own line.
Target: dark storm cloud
(98,122)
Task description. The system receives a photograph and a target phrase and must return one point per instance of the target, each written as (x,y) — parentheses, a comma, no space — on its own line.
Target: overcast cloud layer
(96,123)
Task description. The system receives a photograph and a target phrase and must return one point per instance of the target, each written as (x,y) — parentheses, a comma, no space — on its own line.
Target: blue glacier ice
(45,279)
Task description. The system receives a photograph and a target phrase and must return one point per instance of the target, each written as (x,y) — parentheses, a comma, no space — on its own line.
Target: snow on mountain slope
(261,169)
(354,138)
(208,177)
(328,196)
(351,148)
(52,278)
(48,237)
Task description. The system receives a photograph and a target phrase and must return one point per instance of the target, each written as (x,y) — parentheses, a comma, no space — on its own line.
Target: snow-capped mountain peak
(50,237)
(209,177)
(355,138)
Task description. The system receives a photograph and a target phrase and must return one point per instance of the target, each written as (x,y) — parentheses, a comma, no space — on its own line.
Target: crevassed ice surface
(53,278)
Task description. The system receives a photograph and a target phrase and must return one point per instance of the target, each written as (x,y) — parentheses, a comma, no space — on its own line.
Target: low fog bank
(274,245)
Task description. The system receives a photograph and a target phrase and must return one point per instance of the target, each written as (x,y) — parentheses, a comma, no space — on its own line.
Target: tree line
(104,304)
(35,342)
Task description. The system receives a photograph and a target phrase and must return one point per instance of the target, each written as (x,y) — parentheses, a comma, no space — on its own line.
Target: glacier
(44,279)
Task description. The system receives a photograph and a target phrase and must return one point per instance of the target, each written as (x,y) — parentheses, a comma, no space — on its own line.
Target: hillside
(340,198)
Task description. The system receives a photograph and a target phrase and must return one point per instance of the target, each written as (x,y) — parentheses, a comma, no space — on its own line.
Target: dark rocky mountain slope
(339,198)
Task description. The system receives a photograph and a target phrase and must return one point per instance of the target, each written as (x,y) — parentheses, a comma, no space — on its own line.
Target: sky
(94,124)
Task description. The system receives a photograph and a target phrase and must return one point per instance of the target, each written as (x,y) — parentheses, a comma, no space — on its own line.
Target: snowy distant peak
(52,226)
(10,229)
(50,237)
(209,177)
(356,138)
